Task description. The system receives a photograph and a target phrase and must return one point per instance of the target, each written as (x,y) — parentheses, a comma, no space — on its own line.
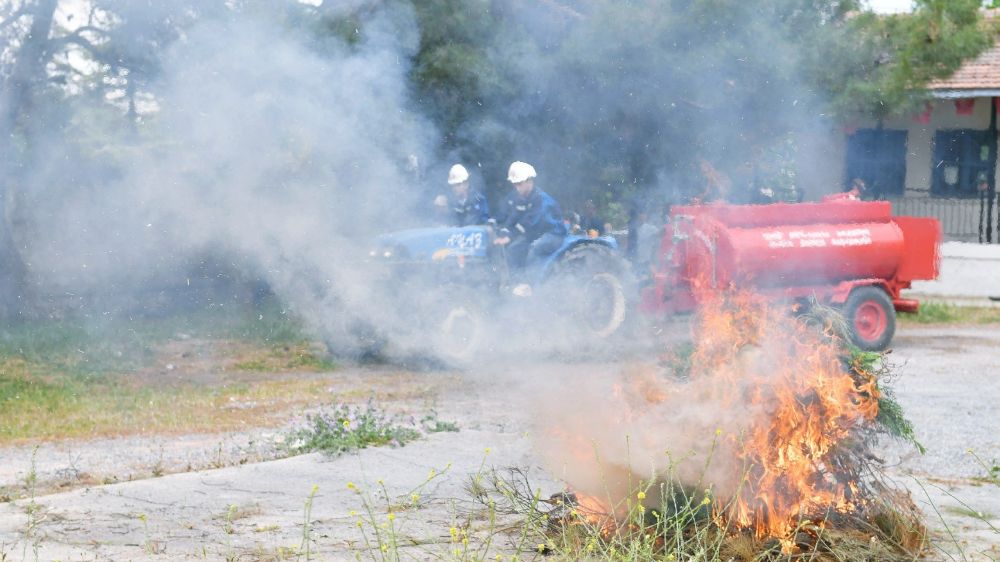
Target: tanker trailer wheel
(871,318)
(593,285)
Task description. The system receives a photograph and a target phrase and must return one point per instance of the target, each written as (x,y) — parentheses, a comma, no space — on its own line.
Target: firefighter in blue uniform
(532,227)
(467,207)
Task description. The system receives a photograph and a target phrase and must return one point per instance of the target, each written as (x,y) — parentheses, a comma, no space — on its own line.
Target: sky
(890,6)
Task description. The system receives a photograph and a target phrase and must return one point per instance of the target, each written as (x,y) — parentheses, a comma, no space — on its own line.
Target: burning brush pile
(760,445)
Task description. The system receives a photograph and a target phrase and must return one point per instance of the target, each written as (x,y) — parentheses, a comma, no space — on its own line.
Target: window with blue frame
(878,156)
(960,156)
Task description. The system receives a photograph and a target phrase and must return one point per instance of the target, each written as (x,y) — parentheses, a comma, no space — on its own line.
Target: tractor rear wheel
(871,318)
(593,285)
(605,294)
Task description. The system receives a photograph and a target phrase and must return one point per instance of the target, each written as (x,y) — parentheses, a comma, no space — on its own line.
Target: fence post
(994,196)
(983,217)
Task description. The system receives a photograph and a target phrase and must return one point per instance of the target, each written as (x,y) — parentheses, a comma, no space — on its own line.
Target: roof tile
(981,73)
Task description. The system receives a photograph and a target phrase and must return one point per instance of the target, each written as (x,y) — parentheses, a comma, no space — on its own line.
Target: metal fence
(974,219)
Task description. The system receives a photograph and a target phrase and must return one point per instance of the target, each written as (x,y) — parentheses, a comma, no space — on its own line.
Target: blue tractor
(456,287)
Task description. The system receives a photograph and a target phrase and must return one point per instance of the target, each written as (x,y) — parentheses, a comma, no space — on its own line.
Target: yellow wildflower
(391,516)
(641,495)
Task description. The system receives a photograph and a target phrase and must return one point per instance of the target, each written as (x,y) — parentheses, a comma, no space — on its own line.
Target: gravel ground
(949,387)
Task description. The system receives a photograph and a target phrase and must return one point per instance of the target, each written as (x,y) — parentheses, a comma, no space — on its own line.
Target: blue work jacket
(532,216)
(475,210)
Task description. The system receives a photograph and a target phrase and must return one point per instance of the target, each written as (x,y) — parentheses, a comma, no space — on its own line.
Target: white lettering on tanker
(853,237)
(862,241)
(800,234)
(812,243)
(818,238)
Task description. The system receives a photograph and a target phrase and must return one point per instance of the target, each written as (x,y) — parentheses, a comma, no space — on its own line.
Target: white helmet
(458,174)
(520,171)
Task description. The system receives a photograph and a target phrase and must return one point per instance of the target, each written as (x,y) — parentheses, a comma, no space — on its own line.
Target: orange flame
(595,512)
(811,403)
(778,389)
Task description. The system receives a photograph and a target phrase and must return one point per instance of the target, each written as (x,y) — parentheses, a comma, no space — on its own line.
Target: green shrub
(349,428)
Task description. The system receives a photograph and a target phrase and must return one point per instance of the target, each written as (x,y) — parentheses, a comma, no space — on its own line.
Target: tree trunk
(16,101)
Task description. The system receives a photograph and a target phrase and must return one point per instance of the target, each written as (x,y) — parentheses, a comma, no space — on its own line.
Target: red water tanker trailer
(850,254)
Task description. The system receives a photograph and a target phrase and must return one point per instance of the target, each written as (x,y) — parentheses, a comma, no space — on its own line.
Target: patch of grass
(431,423)
(86,344)
(965,511)
(992,474)
(349,428)
(509,519)
(35,408)
(298,357)
(384,535)
(76,377)
(665,520)
(934,312)
(991,470)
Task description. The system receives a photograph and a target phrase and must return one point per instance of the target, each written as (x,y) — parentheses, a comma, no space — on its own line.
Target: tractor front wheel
(459,327)
(871,318)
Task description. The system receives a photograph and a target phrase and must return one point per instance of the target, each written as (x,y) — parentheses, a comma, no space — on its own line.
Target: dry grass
(210,370)
(57,409)
(297,357)
(679,528)
(195,385)
(48,408)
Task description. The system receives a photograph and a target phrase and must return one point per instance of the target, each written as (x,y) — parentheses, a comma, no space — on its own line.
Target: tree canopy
(611,100)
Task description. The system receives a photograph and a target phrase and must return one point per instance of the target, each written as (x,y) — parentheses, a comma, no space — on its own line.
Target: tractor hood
(432,244)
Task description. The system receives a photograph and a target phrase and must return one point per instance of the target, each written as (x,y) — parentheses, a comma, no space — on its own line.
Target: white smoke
(273,156)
